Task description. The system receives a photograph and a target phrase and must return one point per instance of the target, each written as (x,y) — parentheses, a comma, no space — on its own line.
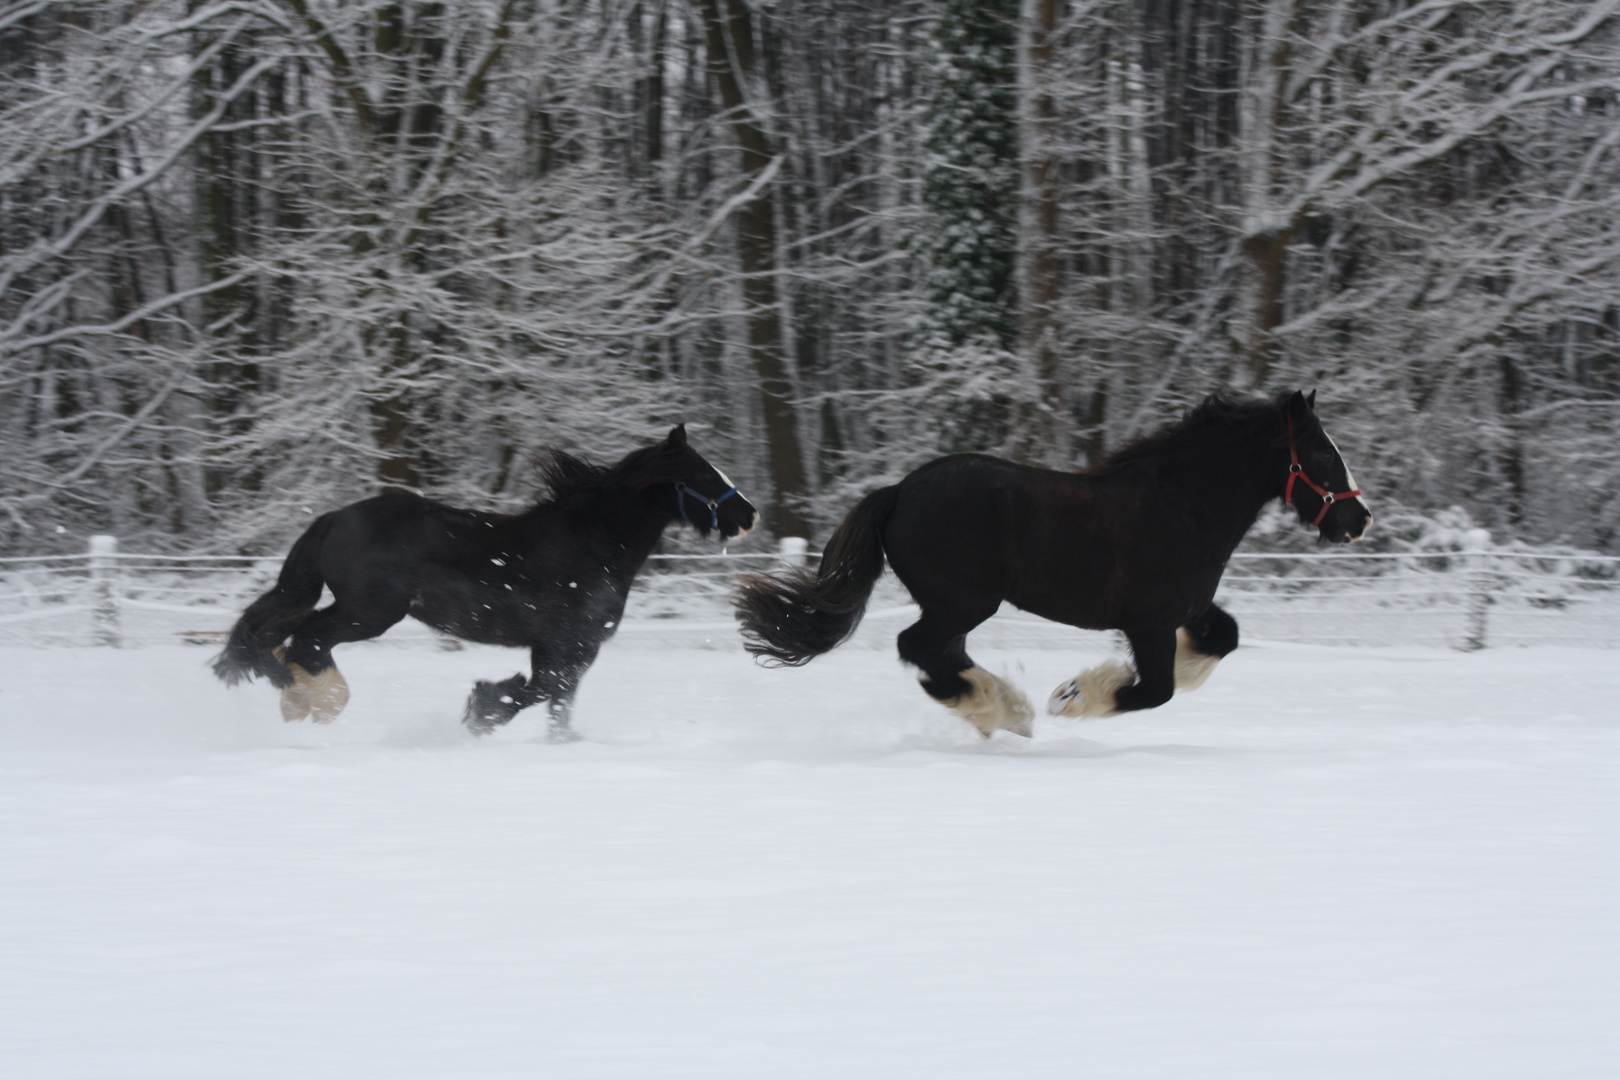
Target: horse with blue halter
(552,579)
(1137,544)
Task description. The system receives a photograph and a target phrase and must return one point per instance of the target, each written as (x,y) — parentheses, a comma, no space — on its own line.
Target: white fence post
(104,589)
(794,550)
(1477,544)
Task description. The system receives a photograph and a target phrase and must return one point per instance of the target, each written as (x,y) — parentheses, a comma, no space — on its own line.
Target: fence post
(104,589)
(794,550)
(1477,544)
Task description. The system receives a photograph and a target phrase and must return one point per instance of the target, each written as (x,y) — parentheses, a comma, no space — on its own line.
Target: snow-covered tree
(267,255)
(963,362)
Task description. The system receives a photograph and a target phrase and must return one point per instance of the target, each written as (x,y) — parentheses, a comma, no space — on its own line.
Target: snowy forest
(263,257)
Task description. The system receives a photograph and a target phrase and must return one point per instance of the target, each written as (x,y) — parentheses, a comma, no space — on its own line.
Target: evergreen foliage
(969,187)
(963,360)
(262,257)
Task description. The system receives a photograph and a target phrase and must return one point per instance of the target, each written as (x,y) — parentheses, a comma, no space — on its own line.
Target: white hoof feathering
(294,703)
(1091,693)
(320,697)
(993,705)
(1192,666)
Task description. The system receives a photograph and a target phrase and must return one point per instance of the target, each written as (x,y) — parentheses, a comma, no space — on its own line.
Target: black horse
(1136,544)
(552,579)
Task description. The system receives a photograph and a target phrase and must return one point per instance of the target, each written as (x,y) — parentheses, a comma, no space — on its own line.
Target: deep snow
(1326,863)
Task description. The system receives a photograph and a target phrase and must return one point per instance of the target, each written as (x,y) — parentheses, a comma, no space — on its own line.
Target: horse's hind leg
(319,690)
(1112,687)
(324,695)
(1201,643)
(950,676)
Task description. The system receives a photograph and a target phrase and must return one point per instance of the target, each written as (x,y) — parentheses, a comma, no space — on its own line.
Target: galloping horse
(552,579)
(1137,544)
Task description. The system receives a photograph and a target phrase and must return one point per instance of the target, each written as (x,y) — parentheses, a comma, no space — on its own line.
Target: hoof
(1021,722)
(993,705)
(294,703)
(562,733)
(480,714)
(320,697)
(490,705)
(294,698)
(1091,693)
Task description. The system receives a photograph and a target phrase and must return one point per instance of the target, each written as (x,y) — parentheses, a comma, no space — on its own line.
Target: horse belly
(1075,596)
(970,541)
(478,616)
(525,618)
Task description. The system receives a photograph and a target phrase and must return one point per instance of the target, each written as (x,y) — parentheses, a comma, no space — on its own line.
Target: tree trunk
(1269,224)
(732,63)
(1041,428)
(1265,256)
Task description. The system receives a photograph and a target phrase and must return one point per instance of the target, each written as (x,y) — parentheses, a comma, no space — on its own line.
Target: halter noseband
(682,491)
(1296,471)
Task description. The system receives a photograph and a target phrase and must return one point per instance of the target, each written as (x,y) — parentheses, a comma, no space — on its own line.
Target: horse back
(398,530)
(486,577)
(442,555)
(1093,551)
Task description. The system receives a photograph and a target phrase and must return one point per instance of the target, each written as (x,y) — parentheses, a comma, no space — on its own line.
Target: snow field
(1325,863)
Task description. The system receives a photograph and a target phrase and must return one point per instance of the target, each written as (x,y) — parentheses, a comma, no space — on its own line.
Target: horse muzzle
(1348,521)
(730,530)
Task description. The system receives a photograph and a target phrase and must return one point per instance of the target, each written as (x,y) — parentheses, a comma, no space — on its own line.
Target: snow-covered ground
(1326,863)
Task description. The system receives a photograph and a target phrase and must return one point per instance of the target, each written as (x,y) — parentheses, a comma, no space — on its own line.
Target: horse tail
(251,649)
(789,618)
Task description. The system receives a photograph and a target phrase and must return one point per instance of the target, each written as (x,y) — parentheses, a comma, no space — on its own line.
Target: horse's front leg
(1201,643)
(560,729)
(556,678)
(492,704)
(1112,687)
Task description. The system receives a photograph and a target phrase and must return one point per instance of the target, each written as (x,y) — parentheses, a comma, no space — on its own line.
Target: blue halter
(682,491)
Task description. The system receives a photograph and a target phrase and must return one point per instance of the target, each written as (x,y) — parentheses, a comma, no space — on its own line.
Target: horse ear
(1297,405)
(1311,400)
(677,437)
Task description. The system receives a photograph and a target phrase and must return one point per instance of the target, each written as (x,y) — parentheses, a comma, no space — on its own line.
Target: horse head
(1318,483)
(705,496)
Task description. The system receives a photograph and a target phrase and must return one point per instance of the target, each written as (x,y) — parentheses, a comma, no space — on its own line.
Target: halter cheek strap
(682,491)
(1296,471)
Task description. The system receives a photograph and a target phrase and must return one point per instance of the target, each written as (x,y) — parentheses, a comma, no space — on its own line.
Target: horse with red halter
(1136,544)
(552,579)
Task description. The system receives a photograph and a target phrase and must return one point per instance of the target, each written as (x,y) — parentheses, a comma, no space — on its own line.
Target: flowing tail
(789,618)
(251,649)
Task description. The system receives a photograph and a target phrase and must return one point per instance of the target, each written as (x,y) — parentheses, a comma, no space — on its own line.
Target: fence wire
(1469,599)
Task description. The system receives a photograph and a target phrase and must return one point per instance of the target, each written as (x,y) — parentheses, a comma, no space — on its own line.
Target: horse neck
(1229,482)
(648,513)
(630,520)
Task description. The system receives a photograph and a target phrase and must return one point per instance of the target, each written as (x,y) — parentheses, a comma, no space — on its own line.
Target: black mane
(567,477)
(1215,411)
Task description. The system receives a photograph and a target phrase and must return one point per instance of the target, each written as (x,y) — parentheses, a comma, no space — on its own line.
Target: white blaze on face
(1349,477)
(730,483)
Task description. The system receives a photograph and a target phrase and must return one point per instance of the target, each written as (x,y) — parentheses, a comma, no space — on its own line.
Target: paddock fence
(1470,599)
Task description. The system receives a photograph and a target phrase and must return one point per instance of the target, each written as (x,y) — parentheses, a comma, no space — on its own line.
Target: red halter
(1296,471)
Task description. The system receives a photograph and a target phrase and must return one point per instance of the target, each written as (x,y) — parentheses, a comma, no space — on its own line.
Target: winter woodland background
(258,257)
